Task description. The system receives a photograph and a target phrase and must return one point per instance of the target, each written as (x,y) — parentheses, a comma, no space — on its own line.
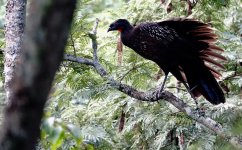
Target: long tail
(202,82)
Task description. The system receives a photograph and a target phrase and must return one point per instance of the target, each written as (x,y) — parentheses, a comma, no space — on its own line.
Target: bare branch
(178,88)
(129,71)
(93,37)
(73,44)
(78,59)
(94,29)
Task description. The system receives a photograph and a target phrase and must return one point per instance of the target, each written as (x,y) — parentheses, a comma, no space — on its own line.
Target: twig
(94,29)
(235,74)
(78,59)
(73,44)
(132,69)
(123,76)
(174,87)
(93,37)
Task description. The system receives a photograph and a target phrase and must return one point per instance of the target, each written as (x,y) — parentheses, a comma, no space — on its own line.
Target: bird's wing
(203,40)
(150,40)
(157,34)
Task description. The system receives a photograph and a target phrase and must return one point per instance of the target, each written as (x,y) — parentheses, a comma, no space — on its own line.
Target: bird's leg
(199,111)
(192,95)
(193,88)
(162,85)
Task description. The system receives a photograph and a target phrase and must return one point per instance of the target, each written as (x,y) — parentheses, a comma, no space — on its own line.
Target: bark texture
(14,29)
(46,34)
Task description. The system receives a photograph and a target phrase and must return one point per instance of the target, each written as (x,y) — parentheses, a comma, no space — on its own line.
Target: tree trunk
(46,34)
(14,29)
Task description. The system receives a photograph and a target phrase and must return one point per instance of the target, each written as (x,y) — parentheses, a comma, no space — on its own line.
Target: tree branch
(78,59)
(153,95)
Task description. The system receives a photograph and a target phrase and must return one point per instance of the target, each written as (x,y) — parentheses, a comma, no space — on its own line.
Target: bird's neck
(126,34)
(127,29)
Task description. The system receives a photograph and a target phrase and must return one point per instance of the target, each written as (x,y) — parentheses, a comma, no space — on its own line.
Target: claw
(200,112)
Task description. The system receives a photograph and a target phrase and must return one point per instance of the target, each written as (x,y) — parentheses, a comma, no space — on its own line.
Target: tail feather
(203,82)
(197,52)
(211,91)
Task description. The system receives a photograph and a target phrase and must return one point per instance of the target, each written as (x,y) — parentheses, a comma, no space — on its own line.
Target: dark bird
(179,46)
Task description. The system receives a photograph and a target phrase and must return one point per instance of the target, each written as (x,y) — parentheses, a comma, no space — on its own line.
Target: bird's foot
(200,112)
(158,93)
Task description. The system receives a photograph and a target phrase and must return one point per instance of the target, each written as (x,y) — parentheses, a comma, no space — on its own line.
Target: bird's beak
(110,29)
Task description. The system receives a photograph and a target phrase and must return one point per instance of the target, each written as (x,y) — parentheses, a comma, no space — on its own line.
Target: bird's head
(120,25)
